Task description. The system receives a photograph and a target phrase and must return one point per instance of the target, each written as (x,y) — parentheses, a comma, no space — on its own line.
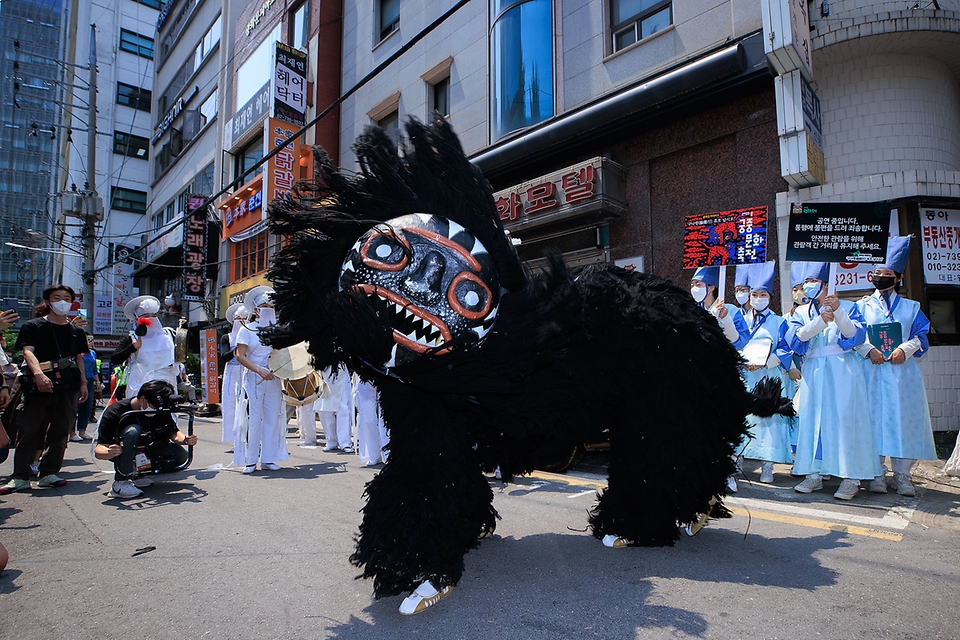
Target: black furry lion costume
(404,273)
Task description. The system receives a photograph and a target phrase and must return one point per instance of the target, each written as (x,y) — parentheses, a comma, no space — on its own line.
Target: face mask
(884,282)
(61,307)
(742,297)
(267,316)
(812,289)
(759,303)
(699,293)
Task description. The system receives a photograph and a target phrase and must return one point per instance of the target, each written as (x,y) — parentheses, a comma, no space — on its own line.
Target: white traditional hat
(236,311)
(141,305)
(258,296)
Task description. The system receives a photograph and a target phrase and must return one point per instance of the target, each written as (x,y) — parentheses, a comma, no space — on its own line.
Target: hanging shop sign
(194,250)
(786,25)
(282,169)
(247,117)
(596,185)
(737,236)
(838,232)
(290,85)
(122,273)
(940,229)
(244,210)
(102,314)
(800,131)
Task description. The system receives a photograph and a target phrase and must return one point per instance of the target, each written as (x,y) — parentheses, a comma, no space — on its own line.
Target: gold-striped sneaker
(424,597)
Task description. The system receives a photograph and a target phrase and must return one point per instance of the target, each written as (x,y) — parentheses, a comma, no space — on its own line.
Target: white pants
(307,423)
(371,433)
(228,405)
(337,424)
(266,437)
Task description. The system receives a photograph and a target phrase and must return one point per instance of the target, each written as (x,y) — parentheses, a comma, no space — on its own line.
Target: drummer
(301,386)
(148,350)
(261,435)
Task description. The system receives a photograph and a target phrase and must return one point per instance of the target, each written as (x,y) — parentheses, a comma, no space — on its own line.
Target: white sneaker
(731,484)
(269,466)
(878,485)
(766,473)
(813,482)
(426,595)
(124,489)
(904,484)
(250,468)
(347,449)
(848,489)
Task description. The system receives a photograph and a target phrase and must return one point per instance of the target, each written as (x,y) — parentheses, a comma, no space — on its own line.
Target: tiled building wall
(941,377)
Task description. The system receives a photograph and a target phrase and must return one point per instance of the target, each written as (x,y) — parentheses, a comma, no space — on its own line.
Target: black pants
(57,409)
(165,457)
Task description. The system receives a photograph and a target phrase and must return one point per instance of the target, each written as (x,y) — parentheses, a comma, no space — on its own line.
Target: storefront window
(522,73)
(249,256)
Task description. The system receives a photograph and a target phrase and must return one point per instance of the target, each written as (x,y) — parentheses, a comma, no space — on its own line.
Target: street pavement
(266,556)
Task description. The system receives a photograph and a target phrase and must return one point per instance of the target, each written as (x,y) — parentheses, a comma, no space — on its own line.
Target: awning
(168,265)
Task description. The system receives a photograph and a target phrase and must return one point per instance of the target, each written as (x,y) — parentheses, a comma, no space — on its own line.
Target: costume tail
(767,399)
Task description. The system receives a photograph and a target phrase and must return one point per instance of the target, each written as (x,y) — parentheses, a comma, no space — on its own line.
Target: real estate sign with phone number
(940,245)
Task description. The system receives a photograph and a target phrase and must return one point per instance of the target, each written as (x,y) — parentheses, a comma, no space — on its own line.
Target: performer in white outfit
(372,435)
(835,436)
(767,356)
(264,437)
(150,346)
(335,408)
(898,400)
(232,372)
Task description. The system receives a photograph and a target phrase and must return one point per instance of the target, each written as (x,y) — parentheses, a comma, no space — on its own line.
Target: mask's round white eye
(472,298)
(383,251)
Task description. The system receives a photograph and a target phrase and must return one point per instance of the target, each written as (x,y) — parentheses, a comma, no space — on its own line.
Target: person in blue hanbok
(741,289)
(898,400)
(767,356)
(703,288)
(792,383)
(835,436)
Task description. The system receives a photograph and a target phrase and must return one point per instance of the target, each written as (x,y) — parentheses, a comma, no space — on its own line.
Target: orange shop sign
(283,168)
(244,209)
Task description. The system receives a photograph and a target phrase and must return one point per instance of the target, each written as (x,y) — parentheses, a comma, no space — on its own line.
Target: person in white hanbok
(835,437)
(232,372)
(262,435)
(335,408)
(898,400)
(767,356)
(372,435)
(148,351)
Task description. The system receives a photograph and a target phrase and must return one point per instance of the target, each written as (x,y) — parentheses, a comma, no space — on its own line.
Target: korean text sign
(940,245)
(738,236)
(838,232)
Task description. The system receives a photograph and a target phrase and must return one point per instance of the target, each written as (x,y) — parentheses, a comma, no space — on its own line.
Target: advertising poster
(940,245)
(209,367)
(738,236)
(838,232)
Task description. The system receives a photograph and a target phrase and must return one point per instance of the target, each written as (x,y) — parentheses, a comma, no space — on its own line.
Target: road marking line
(576,481)
(588,492)
(820,524)
(888,521)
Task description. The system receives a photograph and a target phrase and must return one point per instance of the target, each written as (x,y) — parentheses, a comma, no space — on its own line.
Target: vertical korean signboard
(209,366)
(194,250)
(940,245)
(283,168)
(290,85)
(738,236)
(122,286)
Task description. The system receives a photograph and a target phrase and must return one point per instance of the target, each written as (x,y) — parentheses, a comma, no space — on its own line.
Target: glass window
(130,145)
(153,4)
(633,20)
(300,26)
(390,123)
(255,70)
(208,110)
(522,66)
(136,43)
(247,157)
(249,256)
(389,12)
(135,97)
(128,200)
(440,93)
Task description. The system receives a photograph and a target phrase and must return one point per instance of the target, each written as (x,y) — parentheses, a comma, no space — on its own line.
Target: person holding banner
(264,437)
(896,338)
(835,437)
(704,289)
(767,356)
(236,315)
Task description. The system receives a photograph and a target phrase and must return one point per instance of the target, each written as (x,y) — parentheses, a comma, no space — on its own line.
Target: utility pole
(93,203)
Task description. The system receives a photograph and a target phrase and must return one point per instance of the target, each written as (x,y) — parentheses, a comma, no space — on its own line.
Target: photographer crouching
(120,443)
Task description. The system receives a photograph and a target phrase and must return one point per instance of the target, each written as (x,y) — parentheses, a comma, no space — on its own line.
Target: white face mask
(699,293)
(759,303)
(743,297)
(61,307)
(267,316)
(812,289)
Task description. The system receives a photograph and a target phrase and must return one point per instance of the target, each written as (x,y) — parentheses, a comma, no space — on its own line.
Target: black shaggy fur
(573,352)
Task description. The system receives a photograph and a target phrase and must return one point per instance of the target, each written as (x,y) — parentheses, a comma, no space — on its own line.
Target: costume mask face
(435,278)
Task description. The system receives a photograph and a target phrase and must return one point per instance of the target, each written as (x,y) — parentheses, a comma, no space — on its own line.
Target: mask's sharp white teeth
(398,308)
(481,331)
(392,362)
(348,267)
